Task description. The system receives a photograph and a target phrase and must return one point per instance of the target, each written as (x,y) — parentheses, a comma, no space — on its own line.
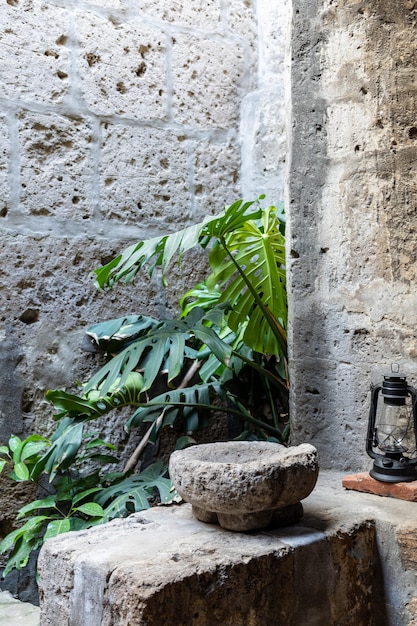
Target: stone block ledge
(349,561)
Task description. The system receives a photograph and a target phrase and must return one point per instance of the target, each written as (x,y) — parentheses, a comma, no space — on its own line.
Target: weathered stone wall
(118,120)
(266,110)
(352,207)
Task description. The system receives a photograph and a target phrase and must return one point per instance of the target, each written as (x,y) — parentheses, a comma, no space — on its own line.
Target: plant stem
(137,453)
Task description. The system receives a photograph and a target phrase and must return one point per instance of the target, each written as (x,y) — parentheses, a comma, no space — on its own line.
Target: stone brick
(123,69)
(4,150)
(145,178)
(105,4)
(56,166)
(273,40)
(353,556)
(50,310)
(364,482)
(204,14)
(407,540)
(208,79)
(35,65)
(216,176)
(242,20)
(264,144)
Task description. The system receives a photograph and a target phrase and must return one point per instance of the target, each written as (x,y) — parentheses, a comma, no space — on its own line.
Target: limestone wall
(118,120)
(352,207)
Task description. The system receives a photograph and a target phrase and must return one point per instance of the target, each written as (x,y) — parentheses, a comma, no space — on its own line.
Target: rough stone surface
(243,482)
(265,119)
(114,125)
(340,565)
(351,239)
(15,613)
(122,67)
(407,540)
(364,482)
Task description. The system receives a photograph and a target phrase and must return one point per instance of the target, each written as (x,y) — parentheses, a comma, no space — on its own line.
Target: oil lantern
(392,429)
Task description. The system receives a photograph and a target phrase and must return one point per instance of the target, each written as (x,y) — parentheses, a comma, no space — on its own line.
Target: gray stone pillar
(352,208)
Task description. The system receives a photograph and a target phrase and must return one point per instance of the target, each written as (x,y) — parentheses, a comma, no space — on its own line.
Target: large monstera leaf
(160,251)
(164,346)
(248,269)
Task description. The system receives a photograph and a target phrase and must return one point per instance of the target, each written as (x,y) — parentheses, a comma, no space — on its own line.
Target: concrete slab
(16,613)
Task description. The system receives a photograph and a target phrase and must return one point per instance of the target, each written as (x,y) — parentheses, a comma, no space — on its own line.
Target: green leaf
(20,554)
(84,494)
(14,442)
(195,396)
(70,403)
(163,346)
(132,493)
(4,450)
(184,442)
(29,530)
(66,442)
(99,442)
(120,499)
(92,509)
(36,505)
(57,527)
(21,471)
(248,267)
(33,448)
(115,334)
(159,251)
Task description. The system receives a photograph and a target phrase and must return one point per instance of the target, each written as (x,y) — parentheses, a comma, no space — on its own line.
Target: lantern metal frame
(392,466)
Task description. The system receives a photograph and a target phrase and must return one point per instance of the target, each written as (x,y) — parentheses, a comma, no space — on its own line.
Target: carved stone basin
(245,485)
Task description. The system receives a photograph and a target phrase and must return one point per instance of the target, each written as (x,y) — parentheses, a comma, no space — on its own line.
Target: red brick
(364,482)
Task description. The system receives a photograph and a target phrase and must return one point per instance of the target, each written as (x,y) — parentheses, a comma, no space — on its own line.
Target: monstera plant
(225,352)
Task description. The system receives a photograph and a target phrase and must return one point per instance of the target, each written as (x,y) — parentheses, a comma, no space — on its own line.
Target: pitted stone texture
(47,316)
(208,81)
(154,189)
(407,541)
(264,143)
(35,66)
(242,20)
(204,14)
(4,187)
(353,158)
(123,68)
(15,613)
(216,176)
(243,482)
(274,42)
(56,166)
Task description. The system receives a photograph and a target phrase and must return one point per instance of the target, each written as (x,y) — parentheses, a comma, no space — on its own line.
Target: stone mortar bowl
(245,485)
